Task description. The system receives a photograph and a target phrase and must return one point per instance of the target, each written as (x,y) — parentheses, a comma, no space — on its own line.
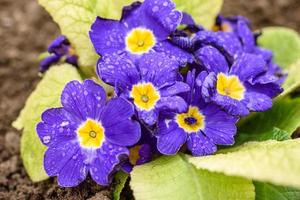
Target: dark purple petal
(208,87)
(108,36)
(118,71)
(200,145)
(109,156)
(232,106)
(176,88)
(183,57)
(187,19)
(245,34)
(248,66)
(158,69)
(161,17)
(48,61)
(258,102)
(172,103)
(130,15)
(83,100)
(145,154)
(170,137)
(219,126)
(212,59)
(57,125)
(73,60)
(60,46)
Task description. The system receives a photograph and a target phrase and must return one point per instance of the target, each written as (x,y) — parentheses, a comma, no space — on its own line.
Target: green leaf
(265,191)
(120,180)
(275,134)
(46,95)
(204,12)
(75,18)
(284,115)
(173,178)
(284,42)
(270,161)
(293,81)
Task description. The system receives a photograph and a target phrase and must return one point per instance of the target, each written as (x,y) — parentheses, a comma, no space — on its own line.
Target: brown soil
(25,31)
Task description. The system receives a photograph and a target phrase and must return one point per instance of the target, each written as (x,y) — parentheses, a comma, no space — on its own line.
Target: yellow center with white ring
(145,96)
(140,41)
(191,121)
(91,134)
(230,86)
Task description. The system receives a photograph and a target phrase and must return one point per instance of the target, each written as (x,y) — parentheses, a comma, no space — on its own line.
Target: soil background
(25,31)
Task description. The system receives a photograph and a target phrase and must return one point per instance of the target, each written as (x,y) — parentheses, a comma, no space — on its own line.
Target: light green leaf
(75,18)
(269,161)
(284,42)
(265,191)
(120,180)
(204,12)
(293,81)
(46,95)
(284,115)
(173,178)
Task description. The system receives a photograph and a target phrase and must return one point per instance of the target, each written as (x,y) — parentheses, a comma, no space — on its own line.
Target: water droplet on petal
(46,139)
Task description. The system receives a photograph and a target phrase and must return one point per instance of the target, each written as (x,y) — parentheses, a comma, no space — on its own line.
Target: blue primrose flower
(87,135)
(151,84)
(59,49)
(143,27)
(202,127)
(234,88)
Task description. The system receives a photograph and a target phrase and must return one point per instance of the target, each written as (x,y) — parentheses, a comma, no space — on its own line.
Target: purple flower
(202,127)
(151,83)
(87,135)
(143,28)
(60,49)
(237,88)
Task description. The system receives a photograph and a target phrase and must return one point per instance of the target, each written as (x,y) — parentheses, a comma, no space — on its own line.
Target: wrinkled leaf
(266,191)
(173,178)
(270,161)
(204,12)
(284,42)
(284,115)
(120,180)
(75,18)
(46,95)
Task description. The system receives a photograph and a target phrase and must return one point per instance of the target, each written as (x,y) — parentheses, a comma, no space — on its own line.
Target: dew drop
(46,139)
(155,9)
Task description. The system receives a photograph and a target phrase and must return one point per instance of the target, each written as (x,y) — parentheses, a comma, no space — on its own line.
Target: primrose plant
(187,103)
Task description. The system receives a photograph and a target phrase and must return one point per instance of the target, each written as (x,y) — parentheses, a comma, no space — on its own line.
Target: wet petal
(258,102)
(232,106)
(176,88)
(173,103)
(109,156)
(200,145)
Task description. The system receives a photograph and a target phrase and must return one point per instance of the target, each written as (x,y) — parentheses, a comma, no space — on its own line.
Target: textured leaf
(46,95)
(75,18)
(269,161)
(173,178)
(284,115)
(120,180)
(204,12)
(284,42)
(293,81)
(265,191)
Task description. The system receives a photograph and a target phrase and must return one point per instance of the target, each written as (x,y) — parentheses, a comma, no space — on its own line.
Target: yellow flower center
(230,86)
(145,96)
(91,134)
(140,40)
(191,121)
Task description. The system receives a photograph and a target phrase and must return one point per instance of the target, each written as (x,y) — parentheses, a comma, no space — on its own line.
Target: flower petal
(176,88)
(173,103)
(200,145)
(108,36)
(170,138)
(149,117)
(109,156)
(258,102)
(117,71)
(212,59)
(232,106)
(219,126)
(248,66)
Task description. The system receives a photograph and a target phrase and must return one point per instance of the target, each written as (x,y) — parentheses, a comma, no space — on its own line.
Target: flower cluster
(176,89)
